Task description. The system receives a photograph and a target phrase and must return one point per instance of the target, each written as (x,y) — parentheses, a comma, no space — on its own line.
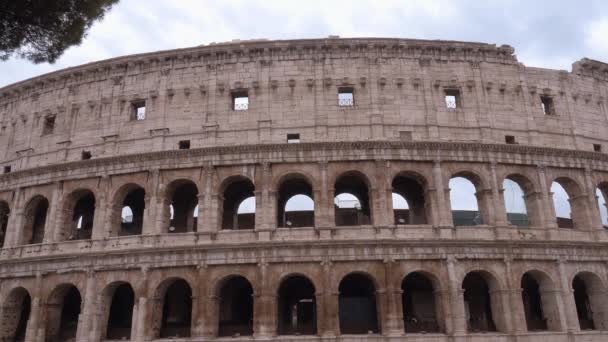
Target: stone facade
(75,154)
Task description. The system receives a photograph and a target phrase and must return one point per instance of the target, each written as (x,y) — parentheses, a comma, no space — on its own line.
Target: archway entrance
(297,307)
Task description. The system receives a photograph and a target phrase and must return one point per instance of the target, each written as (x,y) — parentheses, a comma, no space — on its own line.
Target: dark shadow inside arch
(235,307)
(357,305)
(63,311)
(413,193)
(184,202)
(121,313)
(478,303)
(176,318)
(533,305)
(4,214)
(82,216)
(418,303)
(298,191)
(355,185)
(583,304)
(297,312)
(36,215)
(132,212)
(15,315)
(237,192)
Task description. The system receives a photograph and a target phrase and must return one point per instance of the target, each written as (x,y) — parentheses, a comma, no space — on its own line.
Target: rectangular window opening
(7,169)
(346,97)
(86,155)
(510,139)
(452,99)
(184,145)
(49,125)
(547,105)
(597,147)
(240,100)
(293,138)
(138,110)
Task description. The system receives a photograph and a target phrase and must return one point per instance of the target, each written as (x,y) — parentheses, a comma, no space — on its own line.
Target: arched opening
(600,193)
(569,204)
(463,200)
(418,304)
(63,310)
(533,304)
(183,197)
(35,220)
(235,307)
(176,317)
(83,214)
(409,206)
(583,305)
(351,200)
(297,307)
(478,303)
(4,214)
(239,204)
(357,305)
(15,315)
(295,204)
(131,208)
(590,300)
(121,313)
(515,203)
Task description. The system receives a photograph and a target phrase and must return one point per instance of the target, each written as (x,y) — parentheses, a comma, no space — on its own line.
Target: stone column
(101,205)
(89,306)
(265,211)
(442,193)
(263,305)
(393,312)
(500,212)
(568,305)
(517,314)
(459,323)
(331,325)
(485,204)
(548,212)
(199,313)
(381,191)
(152,207)
(142,320)
(594,219)
(33,324)
(326,216)
(13,228)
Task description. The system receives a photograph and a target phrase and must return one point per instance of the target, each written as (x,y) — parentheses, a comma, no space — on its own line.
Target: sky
(550,34)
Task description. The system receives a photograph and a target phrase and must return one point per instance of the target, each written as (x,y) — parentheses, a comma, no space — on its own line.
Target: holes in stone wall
(408,201)
(48,126)
(547,105)
(35,220)
(240,100)
(83,213)
(239,204)
(478,303)
(351,200)
(183,207)
(463,200)
(293,138)
(452,98)
(176,317)
(357,305)
(515,204)
(184,145)
(86,155)
(295,203)
(7,169)
(121,313)
(346,97)
(138,110)
(418,304)
(4,214)
(132,212)
(297,314)
(235,308)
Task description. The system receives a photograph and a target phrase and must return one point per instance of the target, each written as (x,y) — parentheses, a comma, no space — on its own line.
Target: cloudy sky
(550,34)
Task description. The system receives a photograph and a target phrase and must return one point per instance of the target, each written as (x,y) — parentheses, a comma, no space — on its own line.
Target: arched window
(418,303)
(351,200)
(132,211)
(463,200)
(183,200)
(83,213)
(478,303)
(4,214)
(569,203)
(35,220)
(235,307)
(295,203)
(239,204)
(561,202)
(15,313)
(297,307)
(600,194)
(540,301)
(120,315)
(176,317)
(63,310)
(357,305)
(583,304)
(515,204)
(409,206)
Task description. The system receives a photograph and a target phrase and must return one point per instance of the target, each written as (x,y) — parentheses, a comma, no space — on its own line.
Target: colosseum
(305,190)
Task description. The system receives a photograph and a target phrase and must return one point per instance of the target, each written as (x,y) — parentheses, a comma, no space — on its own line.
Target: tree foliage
(41,30)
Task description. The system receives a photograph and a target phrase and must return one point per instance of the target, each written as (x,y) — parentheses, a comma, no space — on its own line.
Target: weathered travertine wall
(398,128)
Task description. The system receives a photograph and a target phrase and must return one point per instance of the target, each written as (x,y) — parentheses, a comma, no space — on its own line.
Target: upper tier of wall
(398,85)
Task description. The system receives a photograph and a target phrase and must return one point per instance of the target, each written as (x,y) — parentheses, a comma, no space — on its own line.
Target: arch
(601,193)
(297,311)
(182,197)
(464,199)
(419,305)
(118,300)
(297,190)
(412,190)
(569,203)
(14,314)
(590,301)
(540,302)
(482,301)
(172,315)
(80,209)
(62,311)
(355,184)
(35,217)
(235,299)
(128,210)
(521,205)
(236,190)
(4,214)
(358,310)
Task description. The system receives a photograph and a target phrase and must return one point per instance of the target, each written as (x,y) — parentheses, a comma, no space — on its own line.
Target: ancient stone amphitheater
(300,190)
